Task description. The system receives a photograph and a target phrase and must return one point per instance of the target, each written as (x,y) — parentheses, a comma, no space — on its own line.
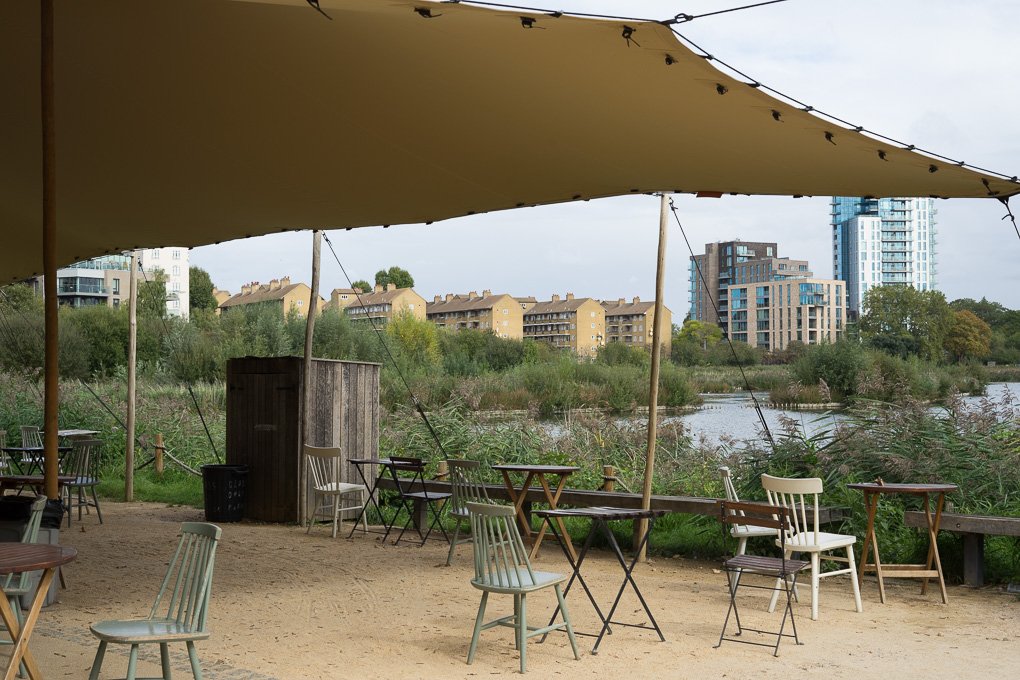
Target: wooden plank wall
(264,416)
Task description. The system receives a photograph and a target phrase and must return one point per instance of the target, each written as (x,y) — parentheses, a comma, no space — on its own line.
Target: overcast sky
(940,74)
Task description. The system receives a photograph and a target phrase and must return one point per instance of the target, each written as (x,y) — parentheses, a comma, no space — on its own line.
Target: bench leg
(420,515)
(974,560)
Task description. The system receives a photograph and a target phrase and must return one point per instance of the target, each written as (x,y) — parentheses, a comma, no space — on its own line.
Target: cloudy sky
(940,74)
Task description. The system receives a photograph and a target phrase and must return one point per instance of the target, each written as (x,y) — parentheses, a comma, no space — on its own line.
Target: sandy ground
(287,605)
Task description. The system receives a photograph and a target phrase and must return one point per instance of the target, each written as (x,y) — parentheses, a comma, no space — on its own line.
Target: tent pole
(129,448)
(653,387)
(312,309)
(49,217)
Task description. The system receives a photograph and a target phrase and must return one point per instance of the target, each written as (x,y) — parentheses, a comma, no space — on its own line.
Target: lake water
(733,416)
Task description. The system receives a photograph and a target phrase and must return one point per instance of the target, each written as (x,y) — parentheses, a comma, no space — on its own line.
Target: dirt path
(287,606)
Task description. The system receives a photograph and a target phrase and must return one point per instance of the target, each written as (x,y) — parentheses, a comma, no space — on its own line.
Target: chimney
(555,298)
(570,296)
(472,295)
(636,299)
(285,281)
(390,286)
(378,288)
(437,299)
(274,284)
(486,293)
(621,301)
(246,289)
(449,297)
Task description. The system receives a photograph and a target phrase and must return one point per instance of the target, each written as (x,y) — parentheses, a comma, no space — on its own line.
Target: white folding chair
(327,489)
(741,532)
(795,495)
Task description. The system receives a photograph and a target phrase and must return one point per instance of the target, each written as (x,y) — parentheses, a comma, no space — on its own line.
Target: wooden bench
(692,505)
(974,529)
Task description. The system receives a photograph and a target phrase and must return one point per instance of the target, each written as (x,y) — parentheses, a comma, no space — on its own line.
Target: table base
(21,634)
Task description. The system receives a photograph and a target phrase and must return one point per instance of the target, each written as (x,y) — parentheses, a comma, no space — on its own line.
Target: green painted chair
(82,463)
(467,487)
(179,613)
(17,585)
(502,566)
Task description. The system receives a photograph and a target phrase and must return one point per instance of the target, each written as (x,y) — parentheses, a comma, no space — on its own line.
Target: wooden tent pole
(49,217)
(129,448)
(653,387)
(312,309)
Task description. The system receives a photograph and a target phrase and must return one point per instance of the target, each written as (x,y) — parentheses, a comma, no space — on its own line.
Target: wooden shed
(264,417)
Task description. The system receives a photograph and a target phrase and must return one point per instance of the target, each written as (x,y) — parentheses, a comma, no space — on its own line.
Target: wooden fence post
(159,454)
(608,478)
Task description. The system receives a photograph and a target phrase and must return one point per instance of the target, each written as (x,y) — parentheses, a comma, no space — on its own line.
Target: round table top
(874,487)
(18,557)
(550,469)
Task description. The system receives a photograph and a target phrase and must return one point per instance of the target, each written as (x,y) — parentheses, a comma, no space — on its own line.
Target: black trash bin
(224,490)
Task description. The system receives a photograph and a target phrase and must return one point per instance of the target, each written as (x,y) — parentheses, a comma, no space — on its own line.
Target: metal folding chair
(408,496)
(781,568)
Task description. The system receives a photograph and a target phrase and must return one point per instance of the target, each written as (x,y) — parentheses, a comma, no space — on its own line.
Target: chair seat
(340,487)
(741,531)
(428,495)
(771,566)
(83,481)
(805,541)
(517,581)
(137,631)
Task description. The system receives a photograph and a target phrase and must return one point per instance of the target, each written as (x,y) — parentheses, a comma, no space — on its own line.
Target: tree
(401,278)
(700,332)
(362,285)
(200,290)
(902,320)
(152,295)
(968,337)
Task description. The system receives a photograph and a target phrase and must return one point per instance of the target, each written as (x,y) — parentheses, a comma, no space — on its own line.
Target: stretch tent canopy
(186,122)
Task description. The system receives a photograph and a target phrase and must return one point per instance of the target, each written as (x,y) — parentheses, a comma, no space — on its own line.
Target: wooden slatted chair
(741,532)
(467,487)
(324,466)
(15,586)
(5,460)
(761,515)
(796,495)
(82,463)
(179,613)
(31,437)
(502,566)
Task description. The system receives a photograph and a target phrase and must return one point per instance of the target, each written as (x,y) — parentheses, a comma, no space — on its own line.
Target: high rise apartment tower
(883,241)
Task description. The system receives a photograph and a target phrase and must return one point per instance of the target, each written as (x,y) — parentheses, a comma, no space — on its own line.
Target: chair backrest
(795,495)
(498,548)
(30,437)
(323,464)
(405,464)
(184,595)
(5,461)
(466,485)
(29,535)
(83,460)
(763,515)
(727,479)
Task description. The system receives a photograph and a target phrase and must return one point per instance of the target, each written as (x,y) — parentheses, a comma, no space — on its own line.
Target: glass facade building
(883,241)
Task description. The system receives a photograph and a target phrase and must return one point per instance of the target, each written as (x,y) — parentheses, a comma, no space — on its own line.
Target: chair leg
(164,660)
(853,577)
(453,543)
(566,620)
(478,628)
(522,631)
(196,667)
(517,616)
(98,662)
(336,513)
(815,562)
(315,512)
(779,584)
(364,514)
(132,663)
(95,499)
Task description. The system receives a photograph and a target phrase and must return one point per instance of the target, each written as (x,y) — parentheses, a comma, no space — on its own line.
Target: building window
(176,270)
(116,287)
(506,311)
(155,254)
(177,254)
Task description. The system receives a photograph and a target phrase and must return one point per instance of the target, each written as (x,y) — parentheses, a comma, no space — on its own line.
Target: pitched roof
(462,303)
(557,306)
(381,297)
(262,294)
(614,308)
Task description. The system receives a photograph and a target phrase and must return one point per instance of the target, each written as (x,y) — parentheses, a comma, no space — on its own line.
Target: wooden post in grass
(159,454)
(653,387)
(608,478)
(129,449)
(306,397)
